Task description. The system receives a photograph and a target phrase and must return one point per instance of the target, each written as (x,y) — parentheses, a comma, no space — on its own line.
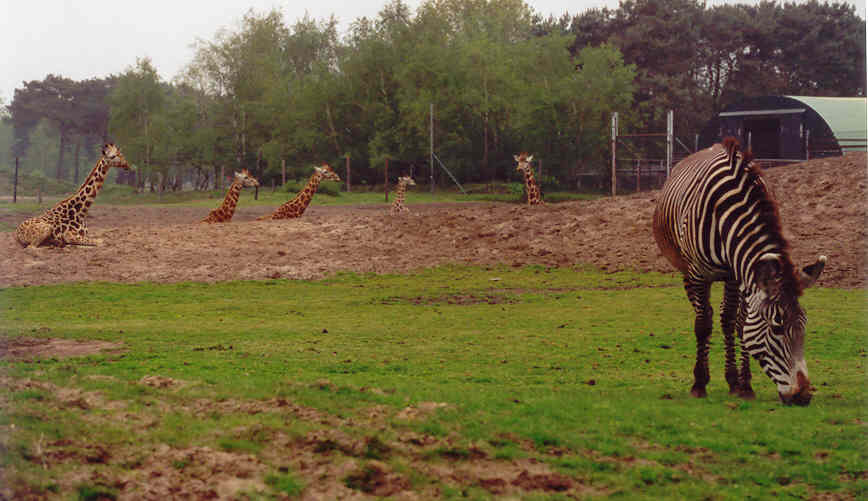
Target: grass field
(583,375)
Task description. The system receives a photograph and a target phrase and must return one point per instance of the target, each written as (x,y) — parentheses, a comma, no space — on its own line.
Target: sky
(82,39)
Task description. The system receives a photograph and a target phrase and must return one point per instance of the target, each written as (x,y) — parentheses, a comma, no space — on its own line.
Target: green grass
(527,360)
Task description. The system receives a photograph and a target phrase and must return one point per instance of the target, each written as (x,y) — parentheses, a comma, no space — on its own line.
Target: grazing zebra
(716,220)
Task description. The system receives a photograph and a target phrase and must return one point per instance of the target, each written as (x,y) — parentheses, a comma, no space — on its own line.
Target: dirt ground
(822,206)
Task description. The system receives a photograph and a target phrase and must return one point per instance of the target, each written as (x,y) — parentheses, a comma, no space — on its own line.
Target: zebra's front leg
(745,390)
(729,311)
(698,293)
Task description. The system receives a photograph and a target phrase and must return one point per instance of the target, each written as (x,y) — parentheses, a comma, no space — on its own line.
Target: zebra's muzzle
(802,395)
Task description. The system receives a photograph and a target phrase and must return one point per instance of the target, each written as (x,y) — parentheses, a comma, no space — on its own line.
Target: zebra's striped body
(716,220)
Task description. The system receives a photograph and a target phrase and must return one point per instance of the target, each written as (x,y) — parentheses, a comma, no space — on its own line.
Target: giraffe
(524,164)
(223,214)
(296,206)
(65,222)
(398,205)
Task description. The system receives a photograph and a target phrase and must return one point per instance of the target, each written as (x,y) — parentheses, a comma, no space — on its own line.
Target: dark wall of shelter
(775,127)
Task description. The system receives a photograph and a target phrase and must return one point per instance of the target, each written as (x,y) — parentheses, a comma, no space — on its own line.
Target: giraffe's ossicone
(64,224)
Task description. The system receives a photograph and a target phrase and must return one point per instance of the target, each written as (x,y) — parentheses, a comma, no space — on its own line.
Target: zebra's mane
(770,215)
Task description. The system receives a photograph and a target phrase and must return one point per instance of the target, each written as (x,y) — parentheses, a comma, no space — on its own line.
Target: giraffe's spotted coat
(226,210)
(64,224)
(296,206)
(398,206)
(534,197)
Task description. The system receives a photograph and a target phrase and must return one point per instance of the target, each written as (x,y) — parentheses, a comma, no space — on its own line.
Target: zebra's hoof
(698,392)
(746,394)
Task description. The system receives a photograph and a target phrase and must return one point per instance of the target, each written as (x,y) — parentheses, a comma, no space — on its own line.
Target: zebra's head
(774,327)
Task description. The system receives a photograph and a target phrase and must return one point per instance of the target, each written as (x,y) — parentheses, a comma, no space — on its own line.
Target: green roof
(846,116)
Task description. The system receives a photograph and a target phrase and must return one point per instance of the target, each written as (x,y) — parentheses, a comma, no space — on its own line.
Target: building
(792,127)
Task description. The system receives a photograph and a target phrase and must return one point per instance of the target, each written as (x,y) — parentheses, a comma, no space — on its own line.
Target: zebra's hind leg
(698,293)
(745,390)
(729,311)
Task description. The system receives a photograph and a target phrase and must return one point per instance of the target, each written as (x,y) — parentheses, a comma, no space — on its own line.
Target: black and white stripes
(716,220)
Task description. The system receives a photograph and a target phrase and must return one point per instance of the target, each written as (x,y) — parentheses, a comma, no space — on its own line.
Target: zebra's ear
(812,272)
(767,272)
(530,159)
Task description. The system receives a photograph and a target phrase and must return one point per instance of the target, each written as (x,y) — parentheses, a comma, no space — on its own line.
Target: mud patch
(29,348)
(452,299)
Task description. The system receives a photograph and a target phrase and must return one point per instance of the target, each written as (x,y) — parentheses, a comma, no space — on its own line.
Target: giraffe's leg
(33,233)
(728,319)
(698,293)
(744,387)
(79,237)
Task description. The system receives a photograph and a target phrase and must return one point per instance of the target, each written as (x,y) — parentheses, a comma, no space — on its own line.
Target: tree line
(499,77)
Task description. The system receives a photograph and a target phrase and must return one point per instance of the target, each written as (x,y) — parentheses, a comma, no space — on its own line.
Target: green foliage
(501,78)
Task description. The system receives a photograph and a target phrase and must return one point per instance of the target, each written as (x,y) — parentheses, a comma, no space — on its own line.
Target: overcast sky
(81,39)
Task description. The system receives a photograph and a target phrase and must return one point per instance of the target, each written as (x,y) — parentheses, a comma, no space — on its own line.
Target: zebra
(717,220)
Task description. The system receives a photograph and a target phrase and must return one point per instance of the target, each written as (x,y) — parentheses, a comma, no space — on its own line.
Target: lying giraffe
(534,197)
(398,205)
(224,213)
(64,224)
(296,206)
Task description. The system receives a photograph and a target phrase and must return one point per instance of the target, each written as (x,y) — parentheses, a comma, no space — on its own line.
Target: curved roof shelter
(793,127)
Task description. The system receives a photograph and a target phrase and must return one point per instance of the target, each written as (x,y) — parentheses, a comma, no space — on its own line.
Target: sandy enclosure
(822,207)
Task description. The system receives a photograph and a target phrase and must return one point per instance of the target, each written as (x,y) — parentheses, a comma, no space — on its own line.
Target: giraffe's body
(296,206)
(534,197)
(64,224)
(225,212)
(398,206)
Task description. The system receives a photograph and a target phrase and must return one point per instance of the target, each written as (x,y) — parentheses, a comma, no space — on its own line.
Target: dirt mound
(822,207)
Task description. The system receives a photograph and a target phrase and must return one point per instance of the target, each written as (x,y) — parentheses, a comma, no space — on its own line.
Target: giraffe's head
(774,327)
(113,156)
(245,178)
(407,181)
(326,172)
(524,162)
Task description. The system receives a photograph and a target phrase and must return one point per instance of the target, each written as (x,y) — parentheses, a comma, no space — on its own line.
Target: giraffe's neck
(530,185)
(399,193)
(84,197)
(302,200)
(231,200)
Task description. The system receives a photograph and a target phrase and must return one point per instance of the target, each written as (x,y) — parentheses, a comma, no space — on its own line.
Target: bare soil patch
(23,348)
(822,206)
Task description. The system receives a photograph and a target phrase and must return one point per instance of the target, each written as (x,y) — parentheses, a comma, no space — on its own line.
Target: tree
(136,103)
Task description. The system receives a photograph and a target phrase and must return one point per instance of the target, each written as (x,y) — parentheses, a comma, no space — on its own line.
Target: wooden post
(386,185)
(349,185)
(258,172)
(614,146)
(15,183)
(272,185)
(282,171)
(431,145)
(637,175)
(222,176)
(39,193)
